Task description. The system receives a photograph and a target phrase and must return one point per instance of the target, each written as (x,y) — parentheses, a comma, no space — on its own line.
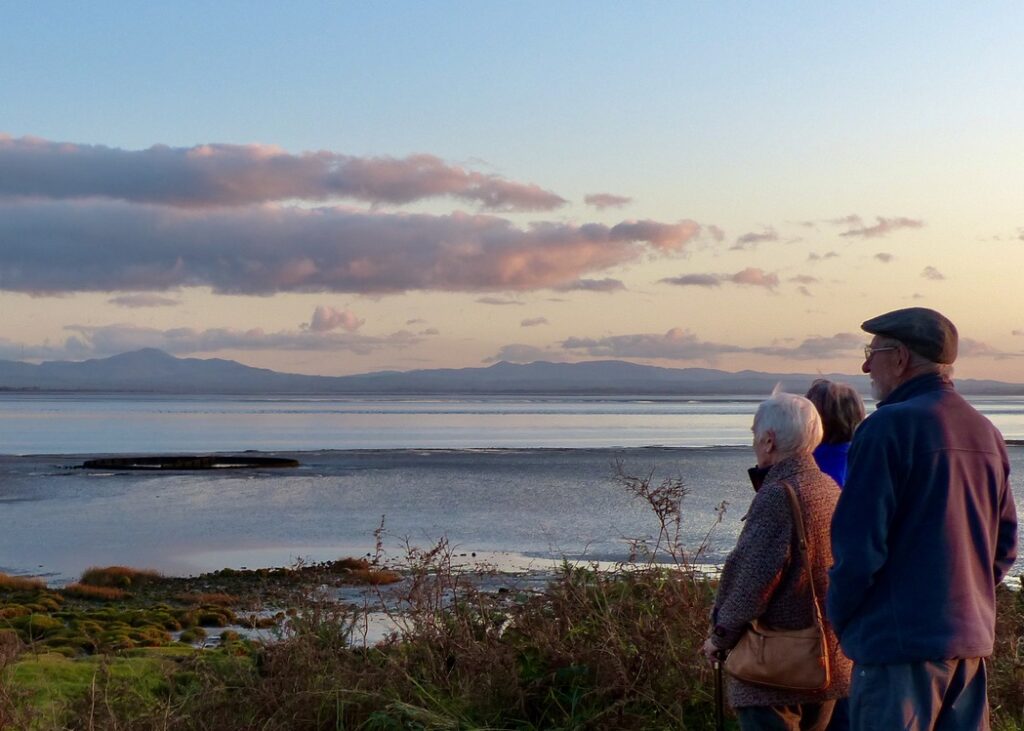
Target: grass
(79,590)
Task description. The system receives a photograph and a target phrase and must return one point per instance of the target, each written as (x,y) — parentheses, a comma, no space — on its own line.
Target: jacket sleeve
(863,515)
(756,564)
(1006,538)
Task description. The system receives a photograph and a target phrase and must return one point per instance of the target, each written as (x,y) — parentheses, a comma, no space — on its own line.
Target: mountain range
(153,371)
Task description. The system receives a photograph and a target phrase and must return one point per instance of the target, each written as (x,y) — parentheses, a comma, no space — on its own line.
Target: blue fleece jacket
(925,528)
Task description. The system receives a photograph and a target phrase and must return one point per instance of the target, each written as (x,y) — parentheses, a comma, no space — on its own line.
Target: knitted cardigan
(765,577)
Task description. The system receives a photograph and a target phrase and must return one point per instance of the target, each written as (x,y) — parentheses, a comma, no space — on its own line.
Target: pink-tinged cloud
(752,239)
(593,285)
(236,175)
(884,257)
(754,277)
(113,339)
(932,273)
(518,353)
(326,319)
(1018,332)
(533,321)
(664,236)
(602,201)
(750,276)
(61,246)
(143,299)
(694,280)
(881,227)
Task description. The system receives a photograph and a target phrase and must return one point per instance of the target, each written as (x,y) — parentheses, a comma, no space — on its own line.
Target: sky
(336,188)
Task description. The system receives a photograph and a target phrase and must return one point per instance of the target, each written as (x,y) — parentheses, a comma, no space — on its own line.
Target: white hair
(793,419)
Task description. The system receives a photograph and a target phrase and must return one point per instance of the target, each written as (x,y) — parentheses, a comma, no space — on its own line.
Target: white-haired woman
(765,577)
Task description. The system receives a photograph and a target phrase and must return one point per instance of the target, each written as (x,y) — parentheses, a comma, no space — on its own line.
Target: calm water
(534,478)
(105,424)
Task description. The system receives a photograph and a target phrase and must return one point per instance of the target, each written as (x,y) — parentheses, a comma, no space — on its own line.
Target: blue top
(831,459)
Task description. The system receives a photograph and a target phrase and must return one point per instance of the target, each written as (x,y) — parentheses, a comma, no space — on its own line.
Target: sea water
(529,478)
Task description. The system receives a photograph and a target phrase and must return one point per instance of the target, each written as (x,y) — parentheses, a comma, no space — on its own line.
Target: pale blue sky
(753,118)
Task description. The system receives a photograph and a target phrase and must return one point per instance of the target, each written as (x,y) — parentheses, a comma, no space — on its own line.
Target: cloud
(977,349)
(716,233)
(326,319)
(676,344)
(932,273)
(430,331)
(415,321)
(143,299)
(533,321)
(694,280)
(821,257)
(816,348)
(804,279)
(882,226)
(750,276)
(804,291)
(606,200)
(500,301)
(518,353)
(54,247)
(752,239)
(884,257)
(663,236)
(852,220)
(112,339)
(755,277)
(593,285)
(681,344)
(238,175)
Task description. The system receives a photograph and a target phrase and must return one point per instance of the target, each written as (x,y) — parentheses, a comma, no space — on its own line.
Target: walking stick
(719,699)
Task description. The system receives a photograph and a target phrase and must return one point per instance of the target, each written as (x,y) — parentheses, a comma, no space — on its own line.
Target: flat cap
(927,332)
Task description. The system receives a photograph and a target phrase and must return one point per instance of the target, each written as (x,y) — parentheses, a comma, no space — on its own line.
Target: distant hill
(154,371)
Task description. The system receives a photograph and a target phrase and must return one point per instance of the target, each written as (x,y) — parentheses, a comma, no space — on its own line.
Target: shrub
(10,583)
(119,577)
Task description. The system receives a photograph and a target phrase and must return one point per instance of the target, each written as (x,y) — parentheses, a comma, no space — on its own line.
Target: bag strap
(798,519)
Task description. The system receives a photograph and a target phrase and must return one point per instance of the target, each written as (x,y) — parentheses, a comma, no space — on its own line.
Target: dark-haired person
(765,577)
(924,530)
(841,409)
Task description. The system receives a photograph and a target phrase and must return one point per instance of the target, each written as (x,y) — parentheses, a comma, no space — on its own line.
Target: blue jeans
(933,695)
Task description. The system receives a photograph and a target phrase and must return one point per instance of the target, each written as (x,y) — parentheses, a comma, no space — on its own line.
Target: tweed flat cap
(926,332)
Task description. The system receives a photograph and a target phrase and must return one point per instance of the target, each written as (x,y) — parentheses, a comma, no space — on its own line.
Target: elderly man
(924,530)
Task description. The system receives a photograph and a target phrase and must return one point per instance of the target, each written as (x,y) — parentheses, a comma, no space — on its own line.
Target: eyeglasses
(869,351)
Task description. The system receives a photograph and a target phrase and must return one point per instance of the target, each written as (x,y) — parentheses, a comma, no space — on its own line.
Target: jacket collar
(917,386)
(790,467)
